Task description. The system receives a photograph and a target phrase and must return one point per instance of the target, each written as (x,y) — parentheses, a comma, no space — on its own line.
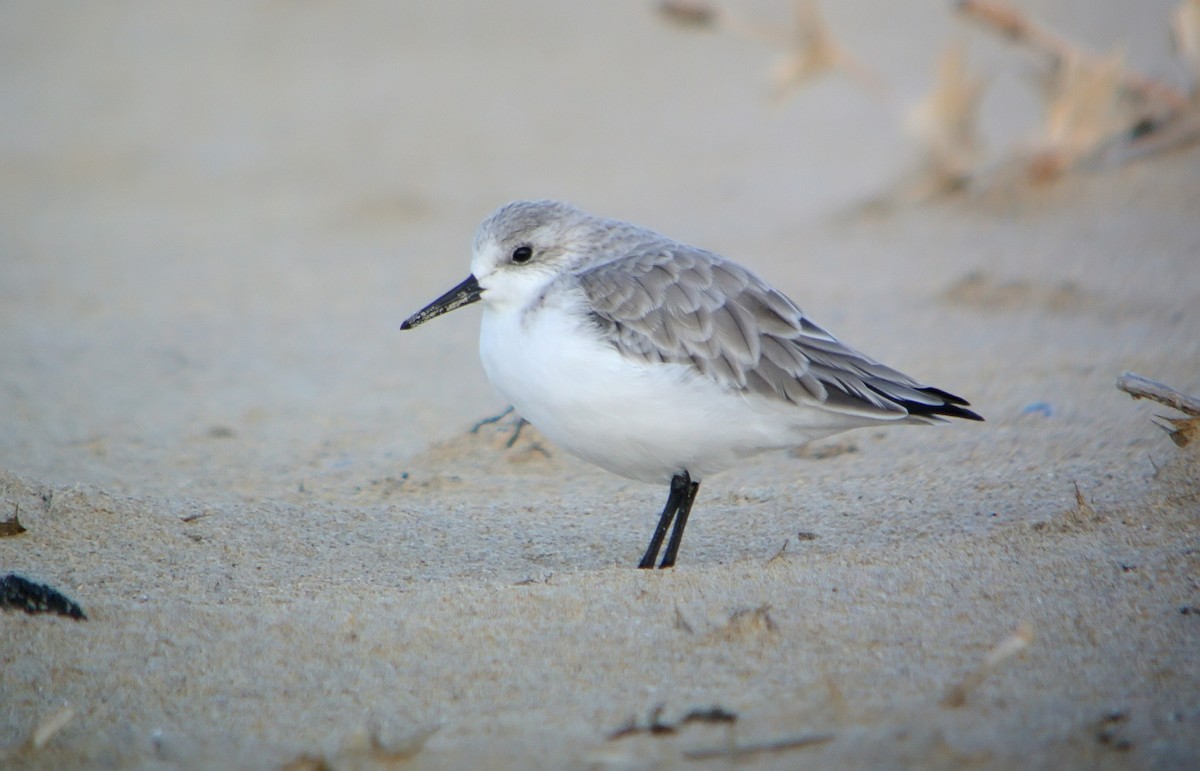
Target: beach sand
(291,548)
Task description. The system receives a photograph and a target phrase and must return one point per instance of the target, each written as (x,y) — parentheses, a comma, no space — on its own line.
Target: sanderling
(659,361)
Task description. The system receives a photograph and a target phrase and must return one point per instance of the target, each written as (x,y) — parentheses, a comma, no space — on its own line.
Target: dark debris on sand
(17,593)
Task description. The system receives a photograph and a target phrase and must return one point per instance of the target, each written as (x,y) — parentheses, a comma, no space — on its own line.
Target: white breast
(641,421)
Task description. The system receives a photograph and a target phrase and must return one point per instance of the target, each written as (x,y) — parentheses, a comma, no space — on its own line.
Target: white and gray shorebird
(659,361)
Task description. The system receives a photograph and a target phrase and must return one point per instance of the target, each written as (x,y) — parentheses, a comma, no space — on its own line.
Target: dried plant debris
(1016,26)
(1010,646)
(1185,31)
(1097,109)
(25,753)
(1084,110)
(12,526)
(1110,731)
(747,623)
(1181,430)
(1081,516)
(812,50)
(803,535)
(17,593)
(1140,387)
(656,726)
(50,725)
(713,714)
(1083,511)
(944,124)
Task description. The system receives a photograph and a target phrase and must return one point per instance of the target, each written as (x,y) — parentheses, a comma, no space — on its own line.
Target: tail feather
(946,404)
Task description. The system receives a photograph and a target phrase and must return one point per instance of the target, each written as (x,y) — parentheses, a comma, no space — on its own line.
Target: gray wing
(666,302)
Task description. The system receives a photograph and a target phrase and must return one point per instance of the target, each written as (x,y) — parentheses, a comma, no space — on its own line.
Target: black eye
(522,254)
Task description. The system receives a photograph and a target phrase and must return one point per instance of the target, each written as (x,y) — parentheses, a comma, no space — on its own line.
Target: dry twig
(1011,23)
(1096,106)
(1005,649)
(944,123)
(1144,388)
(1181,430)
(656,726)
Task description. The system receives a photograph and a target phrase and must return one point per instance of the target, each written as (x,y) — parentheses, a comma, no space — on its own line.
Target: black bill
(464,294)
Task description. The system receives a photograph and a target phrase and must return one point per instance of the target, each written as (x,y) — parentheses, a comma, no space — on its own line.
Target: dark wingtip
(955,411)
(952,406)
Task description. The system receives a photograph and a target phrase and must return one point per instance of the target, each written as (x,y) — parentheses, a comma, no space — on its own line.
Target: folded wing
(666,302)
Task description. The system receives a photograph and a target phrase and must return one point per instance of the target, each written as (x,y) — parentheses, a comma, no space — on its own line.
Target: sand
(290,546)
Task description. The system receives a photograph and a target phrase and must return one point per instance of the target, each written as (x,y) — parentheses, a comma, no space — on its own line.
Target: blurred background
(214,217)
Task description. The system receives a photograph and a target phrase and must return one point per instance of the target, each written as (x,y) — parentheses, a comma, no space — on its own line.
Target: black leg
(493,419)
(679,487)
(681,517)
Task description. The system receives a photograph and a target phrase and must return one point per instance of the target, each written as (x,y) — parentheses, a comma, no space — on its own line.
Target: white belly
(642,421)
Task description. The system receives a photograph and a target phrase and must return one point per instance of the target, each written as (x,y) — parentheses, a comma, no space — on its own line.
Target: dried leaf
(12,526)
(48,726)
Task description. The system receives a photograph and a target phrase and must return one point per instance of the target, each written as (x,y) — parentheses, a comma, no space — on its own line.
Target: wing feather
(666,302)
